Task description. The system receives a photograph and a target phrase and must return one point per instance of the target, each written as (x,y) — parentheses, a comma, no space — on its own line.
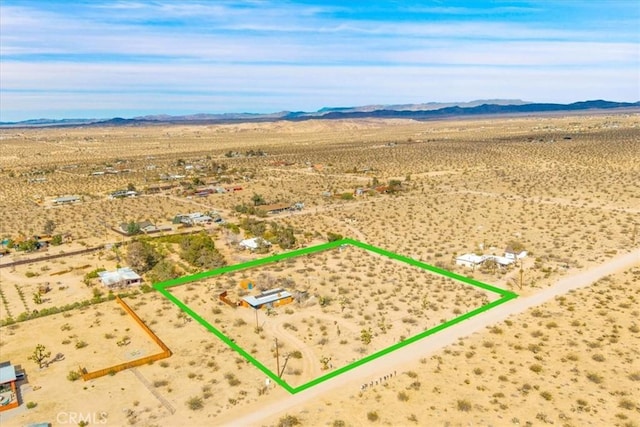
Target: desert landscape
(175,200)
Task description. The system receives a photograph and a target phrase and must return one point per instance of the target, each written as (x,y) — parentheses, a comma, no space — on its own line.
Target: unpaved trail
(411,353)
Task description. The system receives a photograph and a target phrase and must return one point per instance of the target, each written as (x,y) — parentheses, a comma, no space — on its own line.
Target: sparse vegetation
(195,403)
(456,194)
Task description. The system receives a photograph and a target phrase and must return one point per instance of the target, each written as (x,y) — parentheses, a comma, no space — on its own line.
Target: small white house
(66,200)
(196,218)
(470,260)
(120,278)
(254,243)
(501,260)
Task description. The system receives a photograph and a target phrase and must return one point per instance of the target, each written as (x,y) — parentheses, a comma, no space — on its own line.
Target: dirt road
(281,402)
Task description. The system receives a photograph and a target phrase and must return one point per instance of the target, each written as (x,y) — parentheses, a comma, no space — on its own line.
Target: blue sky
(63,59)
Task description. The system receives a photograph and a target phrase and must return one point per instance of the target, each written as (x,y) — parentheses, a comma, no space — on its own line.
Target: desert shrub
(31,405)
(199,250)
(536,368)
(403,396)
(81,344)
(373,416)
(463,405)
(195,403)
(231,379)
(142,256)
(594,377)
(546,395)
(627,404)
(288,421)
(332,237)
(73,375)
(414,385)
(162,271)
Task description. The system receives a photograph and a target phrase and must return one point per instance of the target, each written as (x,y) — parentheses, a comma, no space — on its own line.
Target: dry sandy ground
(364,290)
(447,380)
(468,186)
(468,362)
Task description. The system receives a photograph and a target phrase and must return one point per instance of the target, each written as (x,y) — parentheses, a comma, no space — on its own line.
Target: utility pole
(521,271)
(277,359)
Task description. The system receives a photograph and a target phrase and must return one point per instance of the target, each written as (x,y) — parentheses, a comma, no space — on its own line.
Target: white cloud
(279,55)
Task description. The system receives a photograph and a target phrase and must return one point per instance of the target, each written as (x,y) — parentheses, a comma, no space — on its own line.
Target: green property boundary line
(163,286)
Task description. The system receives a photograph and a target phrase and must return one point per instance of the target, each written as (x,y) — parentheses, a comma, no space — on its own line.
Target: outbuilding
(470,260)
(66,200)
(271,298)
(247,284)
(254,243)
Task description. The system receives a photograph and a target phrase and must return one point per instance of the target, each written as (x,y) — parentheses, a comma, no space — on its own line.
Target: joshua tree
(49,226)
(325,362)
(37,298)
(40,353)
(257,199)
(366,336)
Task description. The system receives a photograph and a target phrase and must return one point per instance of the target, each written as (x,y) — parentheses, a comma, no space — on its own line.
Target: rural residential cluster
(478,271)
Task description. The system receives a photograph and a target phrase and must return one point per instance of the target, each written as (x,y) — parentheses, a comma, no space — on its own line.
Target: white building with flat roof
(254,243)
(120,278)
(470,260)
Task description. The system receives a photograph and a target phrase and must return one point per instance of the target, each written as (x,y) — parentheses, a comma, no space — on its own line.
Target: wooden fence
(48,257)
(224,299)
(132,363)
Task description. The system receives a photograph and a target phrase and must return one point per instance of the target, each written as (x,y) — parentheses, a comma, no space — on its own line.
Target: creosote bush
(195,403)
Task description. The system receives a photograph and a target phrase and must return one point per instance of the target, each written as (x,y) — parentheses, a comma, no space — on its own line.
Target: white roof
(473,258)
(110,278)
(501,260)
(7,374)
(67,199)
(267,297)
(254,242)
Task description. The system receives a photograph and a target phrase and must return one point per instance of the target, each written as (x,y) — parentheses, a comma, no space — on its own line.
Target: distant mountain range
(427,111)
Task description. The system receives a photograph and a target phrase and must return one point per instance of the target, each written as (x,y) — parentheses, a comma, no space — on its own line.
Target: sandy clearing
(424,347)
(552,201)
